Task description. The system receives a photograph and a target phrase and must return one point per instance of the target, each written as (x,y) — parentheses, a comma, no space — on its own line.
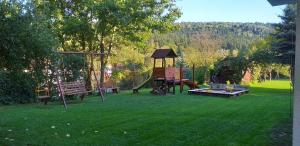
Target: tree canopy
(27,45)
(285,36)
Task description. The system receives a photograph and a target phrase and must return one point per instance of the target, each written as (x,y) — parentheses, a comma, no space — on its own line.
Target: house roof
(164,53)
(281,2)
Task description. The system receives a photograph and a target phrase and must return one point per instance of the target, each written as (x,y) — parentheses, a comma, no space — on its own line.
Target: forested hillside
(221,35)
(203,44)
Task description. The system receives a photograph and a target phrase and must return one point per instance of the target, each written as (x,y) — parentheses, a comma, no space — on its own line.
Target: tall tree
(26,47)
(285,36)
(130,20)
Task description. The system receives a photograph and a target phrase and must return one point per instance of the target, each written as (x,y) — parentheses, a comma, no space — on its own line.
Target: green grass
(144,119)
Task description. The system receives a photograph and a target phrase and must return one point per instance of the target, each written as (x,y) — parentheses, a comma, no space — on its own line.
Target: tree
(131,20)
(232,68)
(284,38)
(26,48)
(104,26)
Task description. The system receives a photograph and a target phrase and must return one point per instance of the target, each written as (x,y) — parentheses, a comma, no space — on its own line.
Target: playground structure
(164,78)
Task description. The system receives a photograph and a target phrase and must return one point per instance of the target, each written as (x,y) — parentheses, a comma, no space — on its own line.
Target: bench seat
(74,88)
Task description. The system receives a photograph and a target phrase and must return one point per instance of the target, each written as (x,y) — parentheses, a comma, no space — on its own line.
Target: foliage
(285,38)
(202,74)
(130,58)
(74,67)
(132,64)
(235,65)
(256,72)
(26,49)
(261,52)
(16,88)
(275,54)
(215,35)
(203,44)
(259,58)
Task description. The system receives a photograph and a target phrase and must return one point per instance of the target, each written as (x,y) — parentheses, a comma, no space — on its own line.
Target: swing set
(66,88)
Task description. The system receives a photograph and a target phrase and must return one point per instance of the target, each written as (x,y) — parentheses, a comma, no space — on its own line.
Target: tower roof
(164,53)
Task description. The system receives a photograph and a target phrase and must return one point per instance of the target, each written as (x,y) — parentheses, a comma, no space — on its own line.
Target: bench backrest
(72,88)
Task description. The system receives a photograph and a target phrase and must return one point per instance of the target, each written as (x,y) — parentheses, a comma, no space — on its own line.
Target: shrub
(73,66)
(202,74)
(16,88)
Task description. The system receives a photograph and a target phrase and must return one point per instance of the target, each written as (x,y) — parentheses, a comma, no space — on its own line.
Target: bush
(199,75)
(202,74)
(74,66)
(16,88)
(231,69)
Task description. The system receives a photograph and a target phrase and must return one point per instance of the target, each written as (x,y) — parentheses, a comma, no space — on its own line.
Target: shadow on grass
(281,134)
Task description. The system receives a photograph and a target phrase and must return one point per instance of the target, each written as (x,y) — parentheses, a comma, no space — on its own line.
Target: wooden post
(164,65)
(173,62)
(92,65)
(193,76)
(90,71)
(174,79)
(174,85)
(165,83)
(60,90)
(97,83)
(98,86)
(153,82)
(180,77)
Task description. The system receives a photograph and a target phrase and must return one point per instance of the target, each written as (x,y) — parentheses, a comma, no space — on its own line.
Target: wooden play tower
(166,77)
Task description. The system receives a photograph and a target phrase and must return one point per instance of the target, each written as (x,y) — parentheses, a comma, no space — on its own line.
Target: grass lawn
(257,118)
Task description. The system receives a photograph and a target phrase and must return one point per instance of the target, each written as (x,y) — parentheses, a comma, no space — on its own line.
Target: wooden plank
(72,88)
(43,97)
(159,72)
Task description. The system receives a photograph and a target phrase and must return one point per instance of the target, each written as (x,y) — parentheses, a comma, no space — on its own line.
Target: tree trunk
(103,58)
(277,75)
(270,75)
(102,64)
(92,67)
(88,82)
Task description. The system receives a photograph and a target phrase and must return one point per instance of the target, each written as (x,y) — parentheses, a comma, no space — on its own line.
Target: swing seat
(74,88)
(45,95)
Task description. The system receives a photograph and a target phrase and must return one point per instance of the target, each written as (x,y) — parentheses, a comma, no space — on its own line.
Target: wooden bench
(43,95)
(73,88)
(110,87)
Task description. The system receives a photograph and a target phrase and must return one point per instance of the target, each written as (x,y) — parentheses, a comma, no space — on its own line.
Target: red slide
(190,84)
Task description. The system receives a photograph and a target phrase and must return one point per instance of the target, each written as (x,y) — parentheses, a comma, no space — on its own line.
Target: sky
(228,11)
